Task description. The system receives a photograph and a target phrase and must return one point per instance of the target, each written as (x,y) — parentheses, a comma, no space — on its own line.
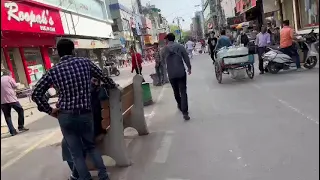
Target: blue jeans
(77,130)
(293,53)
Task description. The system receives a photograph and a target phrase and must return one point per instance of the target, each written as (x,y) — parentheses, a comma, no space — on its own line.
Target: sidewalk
(37,153)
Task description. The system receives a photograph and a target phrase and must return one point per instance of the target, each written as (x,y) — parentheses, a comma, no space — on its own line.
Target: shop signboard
(89,43)
(235,20)
(26,17)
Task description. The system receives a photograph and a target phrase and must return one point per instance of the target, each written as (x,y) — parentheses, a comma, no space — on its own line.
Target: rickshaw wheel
(218,71)
(250,71)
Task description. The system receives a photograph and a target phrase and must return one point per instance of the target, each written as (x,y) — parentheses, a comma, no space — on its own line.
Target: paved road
(265,128)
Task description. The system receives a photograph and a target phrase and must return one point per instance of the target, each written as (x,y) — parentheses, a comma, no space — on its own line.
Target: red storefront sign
(253,3)
(25,17)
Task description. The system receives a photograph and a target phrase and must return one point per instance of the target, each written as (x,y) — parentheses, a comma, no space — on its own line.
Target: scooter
(275,59)
(112,68)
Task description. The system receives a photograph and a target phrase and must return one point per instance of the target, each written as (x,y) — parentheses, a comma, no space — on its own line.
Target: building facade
(28,36)
(127,22)
(87,23)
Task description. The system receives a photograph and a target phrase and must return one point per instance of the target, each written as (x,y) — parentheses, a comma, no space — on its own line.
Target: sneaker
(299,69)
(23,129)
(186,117)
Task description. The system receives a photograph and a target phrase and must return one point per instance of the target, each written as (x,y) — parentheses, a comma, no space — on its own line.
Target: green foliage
(184,34)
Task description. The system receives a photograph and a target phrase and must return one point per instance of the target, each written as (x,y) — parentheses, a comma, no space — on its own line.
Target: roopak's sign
(17,16)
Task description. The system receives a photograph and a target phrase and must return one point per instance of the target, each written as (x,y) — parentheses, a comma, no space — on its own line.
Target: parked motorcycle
(112,69)
(275,59)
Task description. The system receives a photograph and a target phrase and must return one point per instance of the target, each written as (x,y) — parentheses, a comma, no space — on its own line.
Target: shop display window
(53,55)
(35,64)
(308,13)
(14,66)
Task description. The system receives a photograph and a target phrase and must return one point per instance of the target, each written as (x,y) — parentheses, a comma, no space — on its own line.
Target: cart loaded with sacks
(232,59)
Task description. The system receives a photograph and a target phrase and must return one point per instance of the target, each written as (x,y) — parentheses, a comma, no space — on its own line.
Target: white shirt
(189,45)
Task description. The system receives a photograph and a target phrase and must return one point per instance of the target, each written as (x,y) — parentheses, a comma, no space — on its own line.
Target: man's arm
(257,40)
(185,57)
(268,39)
(38,94)
(97,73)
(217,45)
(13,83)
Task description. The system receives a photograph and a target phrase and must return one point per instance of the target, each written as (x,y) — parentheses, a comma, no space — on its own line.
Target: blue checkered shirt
(71,77)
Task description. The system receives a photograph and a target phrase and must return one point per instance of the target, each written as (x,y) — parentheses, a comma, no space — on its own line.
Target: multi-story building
(228,8)
(197,26)
(213,15)
(127,20)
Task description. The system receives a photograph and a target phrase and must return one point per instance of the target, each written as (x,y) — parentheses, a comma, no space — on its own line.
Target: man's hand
(189,71)
(54,113)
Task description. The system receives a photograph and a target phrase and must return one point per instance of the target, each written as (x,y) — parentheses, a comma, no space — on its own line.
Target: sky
(173,8)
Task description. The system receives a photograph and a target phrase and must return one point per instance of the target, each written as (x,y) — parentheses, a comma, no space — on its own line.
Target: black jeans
(6,109)
(179,86)
(138,70)
(212,53)
(293,53)
(77,130)
(261,51)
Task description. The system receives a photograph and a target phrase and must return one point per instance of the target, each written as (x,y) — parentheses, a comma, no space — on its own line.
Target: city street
(261,129)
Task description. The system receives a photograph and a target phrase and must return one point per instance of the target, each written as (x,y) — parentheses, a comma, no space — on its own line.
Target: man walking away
(175,56)
(286,43)
(190,47)
(262,41)
(212,42)
(9,100)
(136,60)
(223,41)
(72,78)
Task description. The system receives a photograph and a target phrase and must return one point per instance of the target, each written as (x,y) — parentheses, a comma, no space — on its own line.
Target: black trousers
(179,86)
(212,55)
(138,70)
(261,51)
(6,109)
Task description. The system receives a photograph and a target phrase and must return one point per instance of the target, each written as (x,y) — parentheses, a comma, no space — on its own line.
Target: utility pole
(178,19)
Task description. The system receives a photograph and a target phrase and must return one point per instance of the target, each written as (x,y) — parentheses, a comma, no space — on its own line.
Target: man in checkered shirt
(72,78)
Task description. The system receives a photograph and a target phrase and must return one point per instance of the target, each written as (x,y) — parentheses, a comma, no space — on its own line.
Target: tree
(185,34)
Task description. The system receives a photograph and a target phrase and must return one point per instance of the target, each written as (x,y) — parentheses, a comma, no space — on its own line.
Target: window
(34,63)
(53,55)
(206,12)
(307,13)
(125,25)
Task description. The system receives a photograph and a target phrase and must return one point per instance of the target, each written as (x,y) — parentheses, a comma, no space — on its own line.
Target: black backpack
(244,39)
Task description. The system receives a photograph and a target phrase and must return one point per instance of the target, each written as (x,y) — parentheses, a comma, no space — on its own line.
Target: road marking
(163,151)
(31,148)
(289,106)
(152,114)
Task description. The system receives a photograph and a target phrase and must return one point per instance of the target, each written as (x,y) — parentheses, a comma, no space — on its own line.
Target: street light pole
(179,26)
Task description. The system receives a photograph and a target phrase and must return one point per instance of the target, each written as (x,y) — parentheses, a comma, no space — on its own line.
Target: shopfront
(306,15)
(29,30)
